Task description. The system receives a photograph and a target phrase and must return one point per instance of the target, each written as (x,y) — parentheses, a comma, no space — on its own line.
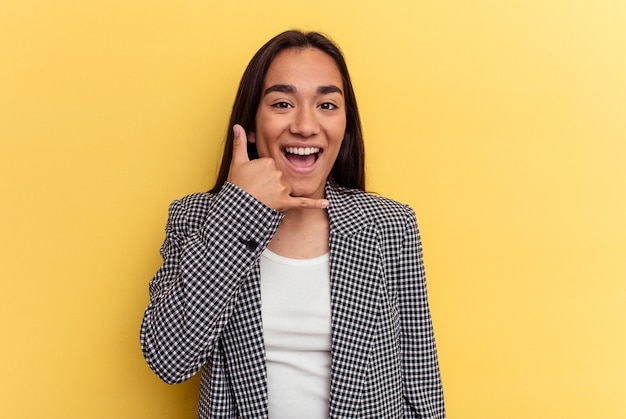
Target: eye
(328,106)
(281,105)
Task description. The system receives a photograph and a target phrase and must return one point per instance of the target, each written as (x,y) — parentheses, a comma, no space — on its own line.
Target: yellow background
(502,122)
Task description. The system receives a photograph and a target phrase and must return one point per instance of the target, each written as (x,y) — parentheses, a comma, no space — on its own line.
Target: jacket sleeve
(420,365)
(211,243)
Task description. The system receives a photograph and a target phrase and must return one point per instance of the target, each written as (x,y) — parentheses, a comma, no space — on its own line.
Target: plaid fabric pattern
(205,307)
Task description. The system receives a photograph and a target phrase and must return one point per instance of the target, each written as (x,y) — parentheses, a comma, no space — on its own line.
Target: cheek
(340,133)
(261,149)
(342,124)
(268,129)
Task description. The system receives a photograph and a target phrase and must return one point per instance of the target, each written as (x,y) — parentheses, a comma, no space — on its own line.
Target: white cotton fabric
(295,307)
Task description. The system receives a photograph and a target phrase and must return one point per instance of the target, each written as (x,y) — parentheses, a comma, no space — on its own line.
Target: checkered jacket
(205,307)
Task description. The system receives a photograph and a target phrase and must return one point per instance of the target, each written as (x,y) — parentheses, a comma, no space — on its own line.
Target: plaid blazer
(205,307)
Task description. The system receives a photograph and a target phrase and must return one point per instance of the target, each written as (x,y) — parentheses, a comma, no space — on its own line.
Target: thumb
(240,145)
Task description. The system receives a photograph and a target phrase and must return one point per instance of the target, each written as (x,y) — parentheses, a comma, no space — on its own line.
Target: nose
(305,122)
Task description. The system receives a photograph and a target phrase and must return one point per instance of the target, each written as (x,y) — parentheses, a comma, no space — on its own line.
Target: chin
(308,192)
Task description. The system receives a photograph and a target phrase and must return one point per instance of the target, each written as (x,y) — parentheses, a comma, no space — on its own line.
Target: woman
(298,294)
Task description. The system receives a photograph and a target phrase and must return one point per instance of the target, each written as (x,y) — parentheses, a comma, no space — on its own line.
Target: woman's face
(301,118)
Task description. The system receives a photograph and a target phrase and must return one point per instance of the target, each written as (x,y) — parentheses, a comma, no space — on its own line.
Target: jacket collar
(345,216)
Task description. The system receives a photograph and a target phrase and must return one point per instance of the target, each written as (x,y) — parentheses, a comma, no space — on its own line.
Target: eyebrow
(291,89)
(331,88)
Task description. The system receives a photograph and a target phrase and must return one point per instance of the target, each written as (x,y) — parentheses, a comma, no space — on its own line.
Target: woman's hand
(261,179)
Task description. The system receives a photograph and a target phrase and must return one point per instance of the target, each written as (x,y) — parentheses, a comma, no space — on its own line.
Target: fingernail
(325,203)
(236,131)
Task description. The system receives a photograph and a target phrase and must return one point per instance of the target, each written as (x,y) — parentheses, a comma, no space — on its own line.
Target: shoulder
(195,201)
(372,207)
(194,208)
(189,211)
(198,202)
(201,202)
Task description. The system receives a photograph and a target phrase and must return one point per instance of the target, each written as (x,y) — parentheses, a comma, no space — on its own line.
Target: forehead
(298,66)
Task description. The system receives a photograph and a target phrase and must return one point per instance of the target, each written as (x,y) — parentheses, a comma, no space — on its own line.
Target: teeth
(302,151)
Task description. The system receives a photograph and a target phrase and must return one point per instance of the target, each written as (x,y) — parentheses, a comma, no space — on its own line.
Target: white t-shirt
(295,295)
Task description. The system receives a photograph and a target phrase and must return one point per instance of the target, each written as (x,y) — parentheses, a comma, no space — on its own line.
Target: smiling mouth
(302,157)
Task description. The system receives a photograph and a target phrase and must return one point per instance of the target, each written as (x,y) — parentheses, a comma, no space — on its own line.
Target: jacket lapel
(245,351)
(355,272)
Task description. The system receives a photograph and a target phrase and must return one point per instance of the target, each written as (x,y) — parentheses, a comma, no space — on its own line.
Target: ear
(251,137)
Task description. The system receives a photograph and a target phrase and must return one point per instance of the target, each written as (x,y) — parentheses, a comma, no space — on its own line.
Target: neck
(303,234)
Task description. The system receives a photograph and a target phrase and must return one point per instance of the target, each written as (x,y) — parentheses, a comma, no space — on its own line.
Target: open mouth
(302,157)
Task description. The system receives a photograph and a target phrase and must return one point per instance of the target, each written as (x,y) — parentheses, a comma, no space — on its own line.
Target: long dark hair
(349,168)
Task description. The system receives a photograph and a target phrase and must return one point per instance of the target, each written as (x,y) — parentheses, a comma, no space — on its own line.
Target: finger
(307,203)
(240,145)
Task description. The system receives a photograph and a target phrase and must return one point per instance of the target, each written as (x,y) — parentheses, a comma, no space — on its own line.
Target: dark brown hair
(349,168)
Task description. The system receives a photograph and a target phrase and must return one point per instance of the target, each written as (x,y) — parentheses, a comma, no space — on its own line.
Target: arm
(204,264)
(420,364)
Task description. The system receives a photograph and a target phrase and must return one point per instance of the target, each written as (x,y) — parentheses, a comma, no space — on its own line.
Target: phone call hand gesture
(261,179)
